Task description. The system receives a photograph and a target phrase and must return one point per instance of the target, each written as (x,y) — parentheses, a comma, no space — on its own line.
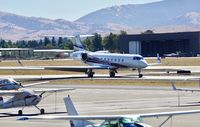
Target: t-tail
(78,46)
(71,110)
(173,86)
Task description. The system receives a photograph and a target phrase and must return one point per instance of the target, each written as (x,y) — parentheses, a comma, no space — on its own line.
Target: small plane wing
(173,113)
(190,90)
(111,117)
(14,92)
(34,84)
(53,90)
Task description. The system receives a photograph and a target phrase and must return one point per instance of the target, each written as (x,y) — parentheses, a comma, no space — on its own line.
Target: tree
(110,42)
(88,44)
(60,42)
(97,42)
(47,41)
(54,44)
(68,45)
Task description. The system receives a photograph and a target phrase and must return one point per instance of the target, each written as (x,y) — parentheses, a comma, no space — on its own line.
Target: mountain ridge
(162,16)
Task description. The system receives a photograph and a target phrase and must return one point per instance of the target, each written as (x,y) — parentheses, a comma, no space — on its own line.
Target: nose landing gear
(139,73)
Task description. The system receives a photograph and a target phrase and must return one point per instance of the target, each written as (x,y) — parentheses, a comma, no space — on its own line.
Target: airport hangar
(150,44)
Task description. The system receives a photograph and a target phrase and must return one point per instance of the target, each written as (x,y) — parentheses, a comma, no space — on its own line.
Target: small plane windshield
(137,58)
(123,122)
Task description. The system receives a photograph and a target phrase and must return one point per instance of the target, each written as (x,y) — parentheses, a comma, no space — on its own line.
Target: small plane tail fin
(173,86)
(72,111)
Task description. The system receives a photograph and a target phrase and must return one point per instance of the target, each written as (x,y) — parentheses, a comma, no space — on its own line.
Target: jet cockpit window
(138,58)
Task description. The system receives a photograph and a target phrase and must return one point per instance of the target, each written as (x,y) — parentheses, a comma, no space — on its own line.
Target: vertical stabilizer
(71,110)
(78,46)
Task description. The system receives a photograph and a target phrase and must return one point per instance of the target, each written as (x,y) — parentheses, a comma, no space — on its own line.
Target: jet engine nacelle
(84,56)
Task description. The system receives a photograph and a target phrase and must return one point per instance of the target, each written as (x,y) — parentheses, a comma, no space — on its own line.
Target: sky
(61,9)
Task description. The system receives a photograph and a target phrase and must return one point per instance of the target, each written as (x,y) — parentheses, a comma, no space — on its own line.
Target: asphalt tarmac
(120,100)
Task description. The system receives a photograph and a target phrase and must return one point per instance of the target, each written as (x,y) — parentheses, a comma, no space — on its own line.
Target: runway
(120,100)
(124,76)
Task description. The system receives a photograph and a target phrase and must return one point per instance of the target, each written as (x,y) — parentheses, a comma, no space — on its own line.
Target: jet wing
(74,68)
(111,117)
(13,92)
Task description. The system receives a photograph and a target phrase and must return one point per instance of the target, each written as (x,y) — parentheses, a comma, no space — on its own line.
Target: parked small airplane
(24,97)
(103,60)
(109,120)
(11,84)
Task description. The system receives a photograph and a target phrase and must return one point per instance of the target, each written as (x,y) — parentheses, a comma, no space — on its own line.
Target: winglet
(173,86)
(158,59)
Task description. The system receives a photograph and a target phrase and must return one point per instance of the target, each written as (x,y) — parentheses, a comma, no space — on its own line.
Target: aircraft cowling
(84,56)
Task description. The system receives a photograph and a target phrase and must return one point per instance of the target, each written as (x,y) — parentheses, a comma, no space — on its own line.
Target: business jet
(11,84)
(134,120)
(105,59)
(23,98)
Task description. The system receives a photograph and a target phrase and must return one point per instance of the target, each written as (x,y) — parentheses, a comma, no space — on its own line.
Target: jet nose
(144,64)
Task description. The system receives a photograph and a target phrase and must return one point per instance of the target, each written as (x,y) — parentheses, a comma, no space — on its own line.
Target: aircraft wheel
(140,75)
(90,74)
(42,111)
(20,112)
(112,74)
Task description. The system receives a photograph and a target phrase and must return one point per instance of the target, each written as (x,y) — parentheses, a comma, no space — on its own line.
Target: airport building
(187,43)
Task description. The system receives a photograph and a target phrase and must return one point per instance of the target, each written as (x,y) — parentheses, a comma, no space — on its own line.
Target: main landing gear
(42,111)
(112,73)
(90,73)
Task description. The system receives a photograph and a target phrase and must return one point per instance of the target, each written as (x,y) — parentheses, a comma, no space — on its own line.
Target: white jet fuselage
(112,60)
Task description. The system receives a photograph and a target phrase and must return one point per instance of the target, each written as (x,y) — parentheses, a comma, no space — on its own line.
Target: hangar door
(134,47)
